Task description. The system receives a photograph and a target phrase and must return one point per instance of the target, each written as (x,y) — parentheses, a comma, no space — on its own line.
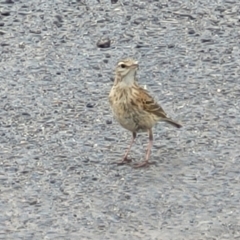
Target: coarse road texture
(59,143)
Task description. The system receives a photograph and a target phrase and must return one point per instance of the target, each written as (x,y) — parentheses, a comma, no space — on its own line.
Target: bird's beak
(135,65)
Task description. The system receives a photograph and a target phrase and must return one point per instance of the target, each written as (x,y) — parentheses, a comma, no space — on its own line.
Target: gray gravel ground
(58,139)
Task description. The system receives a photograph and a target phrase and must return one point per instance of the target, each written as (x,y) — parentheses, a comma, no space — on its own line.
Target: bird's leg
(150,143)
(125,159)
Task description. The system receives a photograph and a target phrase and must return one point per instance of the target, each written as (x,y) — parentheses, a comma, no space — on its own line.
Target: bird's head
(126,69)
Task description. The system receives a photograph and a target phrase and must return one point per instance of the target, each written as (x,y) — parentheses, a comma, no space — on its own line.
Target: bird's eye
(123,65)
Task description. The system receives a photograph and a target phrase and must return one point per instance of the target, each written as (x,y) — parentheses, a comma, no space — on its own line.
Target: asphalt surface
(59,143)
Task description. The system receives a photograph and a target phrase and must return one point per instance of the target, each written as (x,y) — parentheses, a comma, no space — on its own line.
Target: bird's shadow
(130,162)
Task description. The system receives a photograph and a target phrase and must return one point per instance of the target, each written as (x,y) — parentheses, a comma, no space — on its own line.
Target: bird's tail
(170,121)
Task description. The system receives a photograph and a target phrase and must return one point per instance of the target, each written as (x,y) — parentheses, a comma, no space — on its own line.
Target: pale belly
(128,122)
(130,115)
(132,119)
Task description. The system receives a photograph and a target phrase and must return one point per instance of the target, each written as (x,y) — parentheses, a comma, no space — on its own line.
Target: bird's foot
(142,164)
(124,160)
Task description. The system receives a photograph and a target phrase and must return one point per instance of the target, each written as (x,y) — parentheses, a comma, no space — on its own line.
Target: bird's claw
(143,164)
(125,160)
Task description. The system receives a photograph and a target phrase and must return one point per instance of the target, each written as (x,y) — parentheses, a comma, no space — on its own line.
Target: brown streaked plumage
(133,107)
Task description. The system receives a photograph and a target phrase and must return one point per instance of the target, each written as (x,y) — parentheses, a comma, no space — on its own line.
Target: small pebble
(104,42)
(90,105)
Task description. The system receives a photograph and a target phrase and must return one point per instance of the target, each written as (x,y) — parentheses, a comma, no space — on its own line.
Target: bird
(133,107)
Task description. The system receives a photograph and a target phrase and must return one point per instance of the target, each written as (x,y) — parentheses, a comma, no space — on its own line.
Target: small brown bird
(133,107)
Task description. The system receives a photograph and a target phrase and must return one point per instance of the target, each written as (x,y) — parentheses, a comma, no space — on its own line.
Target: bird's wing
(148,103)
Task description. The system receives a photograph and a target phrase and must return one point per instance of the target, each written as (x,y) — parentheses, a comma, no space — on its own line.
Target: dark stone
(35,31)
(5,13)
(191,31)
(108,121)
(104,42)
(90,105)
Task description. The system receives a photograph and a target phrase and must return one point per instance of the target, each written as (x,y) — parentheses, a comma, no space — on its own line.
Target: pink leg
(148,150)
(125,159)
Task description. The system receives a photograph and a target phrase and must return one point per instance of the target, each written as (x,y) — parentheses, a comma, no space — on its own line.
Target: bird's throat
(128,80)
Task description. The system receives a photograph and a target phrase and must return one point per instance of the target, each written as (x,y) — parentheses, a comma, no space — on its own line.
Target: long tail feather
(175,124)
